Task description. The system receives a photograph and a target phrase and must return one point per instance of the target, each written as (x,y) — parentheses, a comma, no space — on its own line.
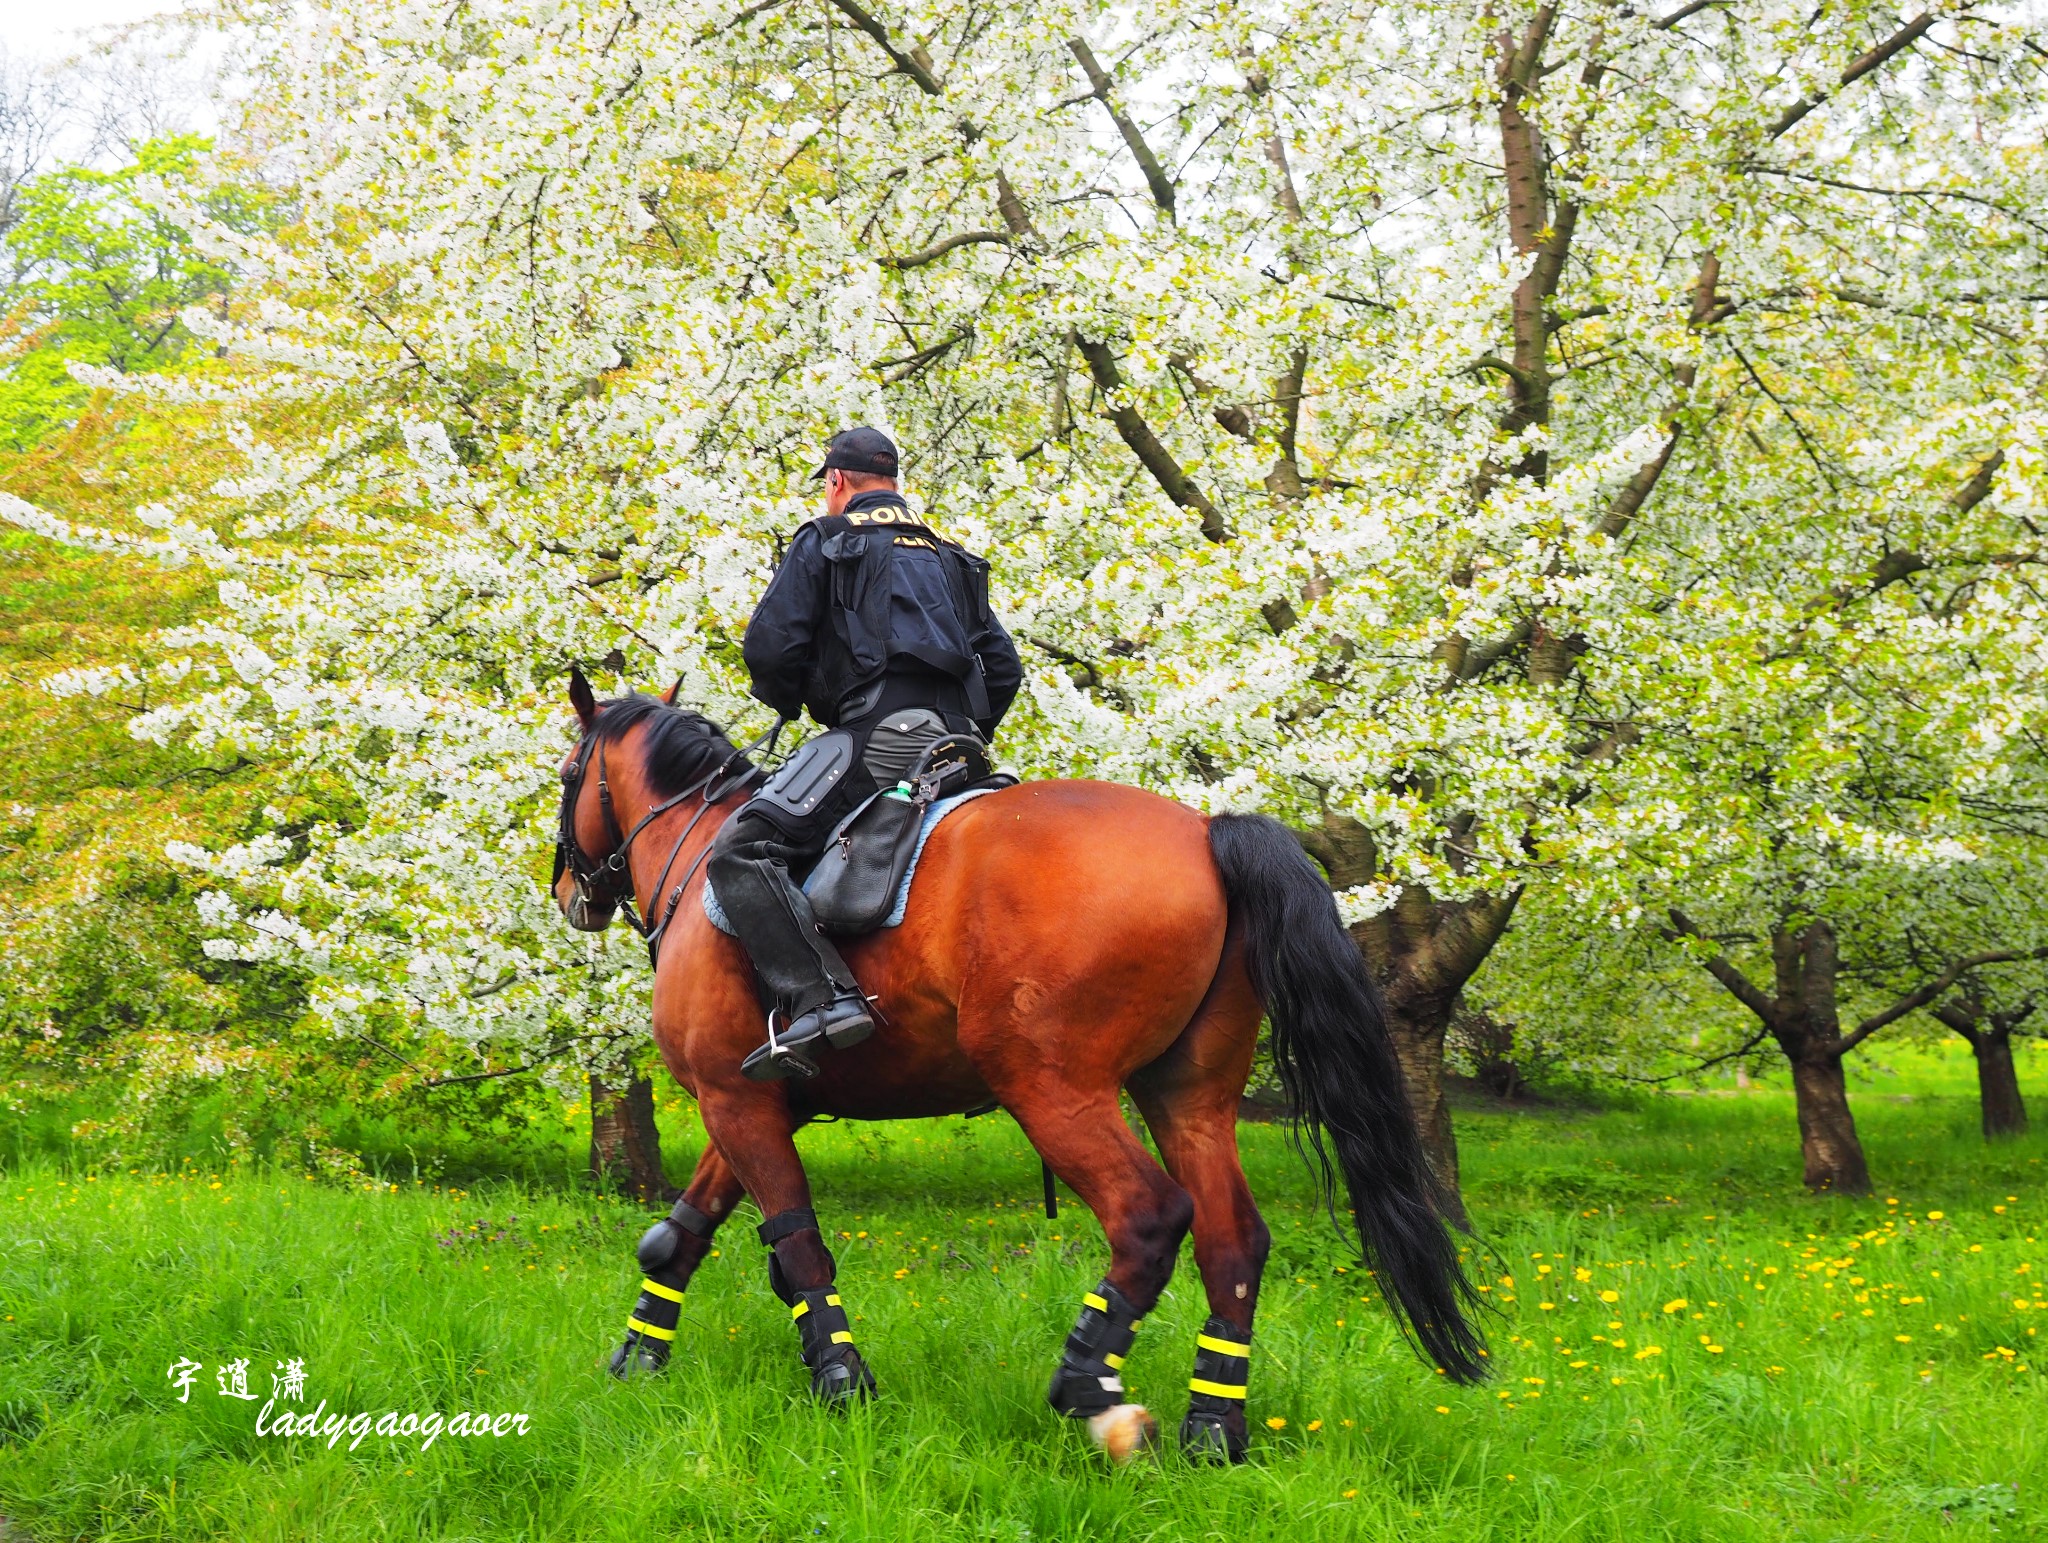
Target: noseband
(607,881)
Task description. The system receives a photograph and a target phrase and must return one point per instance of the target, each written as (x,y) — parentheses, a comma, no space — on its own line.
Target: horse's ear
(668,697)
(581,697)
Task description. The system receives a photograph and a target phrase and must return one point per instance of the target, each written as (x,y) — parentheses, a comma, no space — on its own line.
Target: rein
(611,872)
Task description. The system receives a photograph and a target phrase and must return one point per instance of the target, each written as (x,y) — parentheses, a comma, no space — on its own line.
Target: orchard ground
(1686,1346)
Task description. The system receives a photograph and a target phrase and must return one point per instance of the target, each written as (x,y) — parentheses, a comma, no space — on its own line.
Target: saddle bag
(853,887)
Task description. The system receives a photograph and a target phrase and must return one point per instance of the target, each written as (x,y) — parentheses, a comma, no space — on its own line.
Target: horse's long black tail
(1336,1061)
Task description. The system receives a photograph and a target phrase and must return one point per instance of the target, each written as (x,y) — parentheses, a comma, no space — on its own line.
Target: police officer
(882,628)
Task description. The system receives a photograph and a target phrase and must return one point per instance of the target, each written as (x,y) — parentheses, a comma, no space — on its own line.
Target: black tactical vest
(901,597)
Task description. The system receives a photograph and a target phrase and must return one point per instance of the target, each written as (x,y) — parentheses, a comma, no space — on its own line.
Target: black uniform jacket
(873,591)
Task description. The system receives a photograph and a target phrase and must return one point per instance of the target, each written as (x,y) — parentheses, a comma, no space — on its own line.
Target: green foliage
(95,274)
(1811,1420)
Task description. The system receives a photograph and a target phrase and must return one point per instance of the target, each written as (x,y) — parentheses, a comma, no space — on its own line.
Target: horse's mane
(681,747)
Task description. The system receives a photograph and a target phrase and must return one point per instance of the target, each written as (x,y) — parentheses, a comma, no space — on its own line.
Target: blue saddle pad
(932,816)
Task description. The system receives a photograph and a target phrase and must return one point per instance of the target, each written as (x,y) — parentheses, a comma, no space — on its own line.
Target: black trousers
(753,861)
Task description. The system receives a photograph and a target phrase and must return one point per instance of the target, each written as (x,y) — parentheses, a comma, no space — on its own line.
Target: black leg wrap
(838,1374)
(778,1282)
(784,1223)
(651,1330)
(1089,1379)
(1215,1427)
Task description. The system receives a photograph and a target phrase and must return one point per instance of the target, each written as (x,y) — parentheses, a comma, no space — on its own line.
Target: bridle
(607,881)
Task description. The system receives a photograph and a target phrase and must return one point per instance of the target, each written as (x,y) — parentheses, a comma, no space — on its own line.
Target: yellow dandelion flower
(1676,1305)
(1276,1422)
(1610,1296)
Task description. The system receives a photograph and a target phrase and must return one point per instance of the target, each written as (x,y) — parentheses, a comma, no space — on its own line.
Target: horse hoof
(1123,1430)
(844,1381)
(1206,1439)
(638,1358)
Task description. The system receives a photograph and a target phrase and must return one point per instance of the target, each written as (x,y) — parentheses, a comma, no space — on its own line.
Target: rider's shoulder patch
(885,514)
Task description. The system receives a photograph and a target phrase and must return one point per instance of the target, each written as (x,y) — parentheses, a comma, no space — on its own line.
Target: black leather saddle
(854,883)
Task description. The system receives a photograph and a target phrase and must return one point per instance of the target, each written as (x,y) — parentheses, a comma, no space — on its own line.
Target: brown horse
(1065,940)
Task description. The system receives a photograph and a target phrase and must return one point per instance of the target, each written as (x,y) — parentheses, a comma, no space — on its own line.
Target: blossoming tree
(1343,392)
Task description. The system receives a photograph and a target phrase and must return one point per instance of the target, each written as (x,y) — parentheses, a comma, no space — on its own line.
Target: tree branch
(1859,67)
(1666,23)
(938,249)
(1928,992)
(1130,423)
(1718,965)
(1627,503)
(1144,444)
(1959,1018)
(1978,488)
(915,64)
(909,364)
(1099,85)
(1694,1070)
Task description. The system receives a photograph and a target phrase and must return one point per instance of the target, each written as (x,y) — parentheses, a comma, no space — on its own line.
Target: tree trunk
(1998,1085)
(1418,1033)
(1801,1012)
(625,1146)
(1827,1130)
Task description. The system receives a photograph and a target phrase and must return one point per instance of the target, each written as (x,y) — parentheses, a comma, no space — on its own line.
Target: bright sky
(49,29)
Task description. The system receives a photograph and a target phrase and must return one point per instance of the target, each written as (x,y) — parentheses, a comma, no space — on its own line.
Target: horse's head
(590,870)
(676,755)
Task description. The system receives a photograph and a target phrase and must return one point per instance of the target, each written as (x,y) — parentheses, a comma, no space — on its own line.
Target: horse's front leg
(669,1254)
(750,1121)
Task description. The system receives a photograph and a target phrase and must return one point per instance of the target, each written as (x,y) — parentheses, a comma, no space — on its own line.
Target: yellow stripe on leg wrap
(1216,1389)
(841,1337)
(1114,1362)
(654,1331)
(1096,1302)
(1222,1346)
(655,1288)
(799,1310)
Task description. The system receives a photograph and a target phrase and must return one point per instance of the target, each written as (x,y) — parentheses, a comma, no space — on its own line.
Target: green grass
(1833,1409)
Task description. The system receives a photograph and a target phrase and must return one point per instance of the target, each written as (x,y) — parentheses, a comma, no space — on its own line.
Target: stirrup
(775,1060)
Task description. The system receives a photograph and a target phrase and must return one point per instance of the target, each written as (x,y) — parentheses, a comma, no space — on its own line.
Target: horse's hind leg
(751,1125)
(669,1254)
(1189,1099)
(1081,1133)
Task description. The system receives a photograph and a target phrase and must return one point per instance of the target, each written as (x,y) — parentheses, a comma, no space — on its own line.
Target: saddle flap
(854,883)
(808,777)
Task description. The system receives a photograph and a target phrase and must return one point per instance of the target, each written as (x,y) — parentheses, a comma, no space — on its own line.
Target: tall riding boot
(813,992)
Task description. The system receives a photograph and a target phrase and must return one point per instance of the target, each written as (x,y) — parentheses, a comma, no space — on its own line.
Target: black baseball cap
(861,449)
